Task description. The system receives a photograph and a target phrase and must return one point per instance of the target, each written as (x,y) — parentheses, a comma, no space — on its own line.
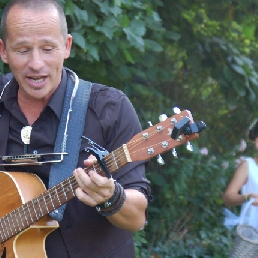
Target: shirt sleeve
(120,123)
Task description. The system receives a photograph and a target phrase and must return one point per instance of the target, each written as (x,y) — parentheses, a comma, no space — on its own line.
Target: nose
(36,61)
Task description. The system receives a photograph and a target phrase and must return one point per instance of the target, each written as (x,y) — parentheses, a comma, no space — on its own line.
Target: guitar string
(42,197)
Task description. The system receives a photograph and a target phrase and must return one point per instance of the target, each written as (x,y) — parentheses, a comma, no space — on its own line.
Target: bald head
(36,6)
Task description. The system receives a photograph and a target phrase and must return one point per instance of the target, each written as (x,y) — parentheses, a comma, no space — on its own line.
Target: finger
(100,192)
(90,160)
(103,186)
(85,198)
(82,178)
(98,179)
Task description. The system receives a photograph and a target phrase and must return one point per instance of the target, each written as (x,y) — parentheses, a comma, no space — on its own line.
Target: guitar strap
(69,133)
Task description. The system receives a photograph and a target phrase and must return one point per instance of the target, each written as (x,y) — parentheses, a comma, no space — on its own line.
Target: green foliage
(198,55)
(186,216)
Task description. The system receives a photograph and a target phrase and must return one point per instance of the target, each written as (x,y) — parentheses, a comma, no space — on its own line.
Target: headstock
(164,136)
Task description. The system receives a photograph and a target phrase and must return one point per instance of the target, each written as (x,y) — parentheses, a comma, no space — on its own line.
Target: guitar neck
(37,208)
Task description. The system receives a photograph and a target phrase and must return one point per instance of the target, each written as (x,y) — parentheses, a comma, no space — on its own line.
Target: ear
(68,46)
(3,52)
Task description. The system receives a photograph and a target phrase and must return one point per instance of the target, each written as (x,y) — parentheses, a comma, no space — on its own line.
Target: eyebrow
(25,42)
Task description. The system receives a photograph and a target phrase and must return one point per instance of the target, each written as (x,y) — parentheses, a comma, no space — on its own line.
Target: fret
(51,201)
(25,215)
(35,211)
(42,214)
(27,204)
(2,230)
(57,197)
(124,158)
(7,228)
(10,226)
(17,222)
(16,226)
(114,158)
(21,217)
(71,187)
(43,196)
(63,189)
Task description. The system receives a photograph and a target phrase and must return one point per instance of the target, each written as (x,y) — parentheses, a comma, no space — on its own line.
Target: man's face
(35,51)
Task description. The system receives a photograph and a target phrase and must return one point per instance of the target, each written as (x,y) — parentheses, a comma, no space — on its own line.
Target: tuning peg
(174,153)
(160,160)
(150,123)
(163,117)
(189,146)
(176,110)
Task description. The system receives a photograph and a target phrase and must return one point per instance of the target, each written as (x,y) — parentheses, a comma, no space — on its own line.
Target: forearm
(132,214)
(234,199)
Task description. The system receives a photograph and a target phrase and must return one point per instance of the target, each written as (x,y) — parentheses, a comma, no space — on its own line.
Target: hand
(254,196)
(93,189)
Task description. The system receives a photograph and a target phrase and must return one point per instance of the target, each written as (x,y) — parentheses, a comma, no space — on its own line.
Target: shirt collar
(9,96)
(57,99)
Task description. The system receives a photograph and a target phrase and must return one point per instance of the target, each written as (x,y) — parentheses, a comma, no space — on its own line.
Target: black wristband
(116,205)
(108,203)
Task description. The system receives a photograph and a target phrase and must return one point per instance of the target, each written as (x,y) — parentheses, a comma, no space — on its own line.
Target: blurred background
(199,55)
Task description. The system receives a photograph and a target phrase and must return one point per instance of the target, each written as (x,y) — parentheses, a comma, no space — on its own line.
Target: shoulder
(242,170)
(103,97)
(4,78)
(100,90)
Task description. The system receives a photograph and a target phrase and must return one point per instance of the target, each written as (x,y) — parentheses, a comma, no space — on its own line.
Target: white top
(251,186)
(249,212)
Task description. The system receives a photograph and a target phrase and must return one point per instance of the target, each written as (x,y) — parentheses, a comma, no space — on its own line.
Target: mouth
(37,79)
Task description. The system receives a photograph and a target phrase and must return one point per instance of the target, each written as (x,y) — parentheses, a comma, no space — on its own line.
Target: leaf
(82,15)
(134,39)
(127,54)
(79,39)
(93,51)
(153,45)
(109,27)
(238,69)
(228,73)
(69,7)
(240,89)
(124,21)
(111,47)
(117,2)
(249,31)
(138,27)
(173,35)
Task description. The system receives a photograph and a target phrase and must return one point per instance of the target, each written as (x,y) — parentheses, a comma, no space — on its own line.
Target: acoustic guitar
(25,203)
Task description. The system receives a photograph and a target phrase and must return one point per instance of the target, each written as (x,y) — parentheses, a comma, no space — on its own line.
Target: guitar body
(16,189)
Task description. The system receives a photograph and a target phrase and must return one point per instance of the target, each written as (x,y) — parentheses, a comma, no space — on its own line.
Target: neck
(31,108)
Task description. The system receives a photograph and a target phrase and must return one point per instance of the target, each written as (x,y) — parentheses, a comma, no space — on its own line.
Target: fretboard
(35,209)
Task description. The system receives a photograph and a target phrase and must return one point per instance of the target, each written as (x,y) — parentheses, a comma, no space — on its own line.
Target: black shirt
(111,122)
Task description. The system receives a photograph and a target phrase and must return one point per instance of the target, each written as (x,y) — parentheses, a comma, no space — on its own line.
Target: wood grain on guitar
(25,203)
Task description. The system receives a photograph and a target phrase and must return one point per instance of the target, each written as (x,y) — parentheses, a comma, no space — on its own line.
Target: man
(34,44)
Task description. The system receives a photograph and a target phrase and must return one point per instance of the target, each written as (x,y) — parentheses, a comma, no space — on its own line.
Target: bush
(186,218)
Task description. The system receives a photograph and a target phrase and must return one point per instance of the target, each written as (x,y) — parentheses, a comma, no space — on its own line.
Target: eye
(23,50)
(47,49)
